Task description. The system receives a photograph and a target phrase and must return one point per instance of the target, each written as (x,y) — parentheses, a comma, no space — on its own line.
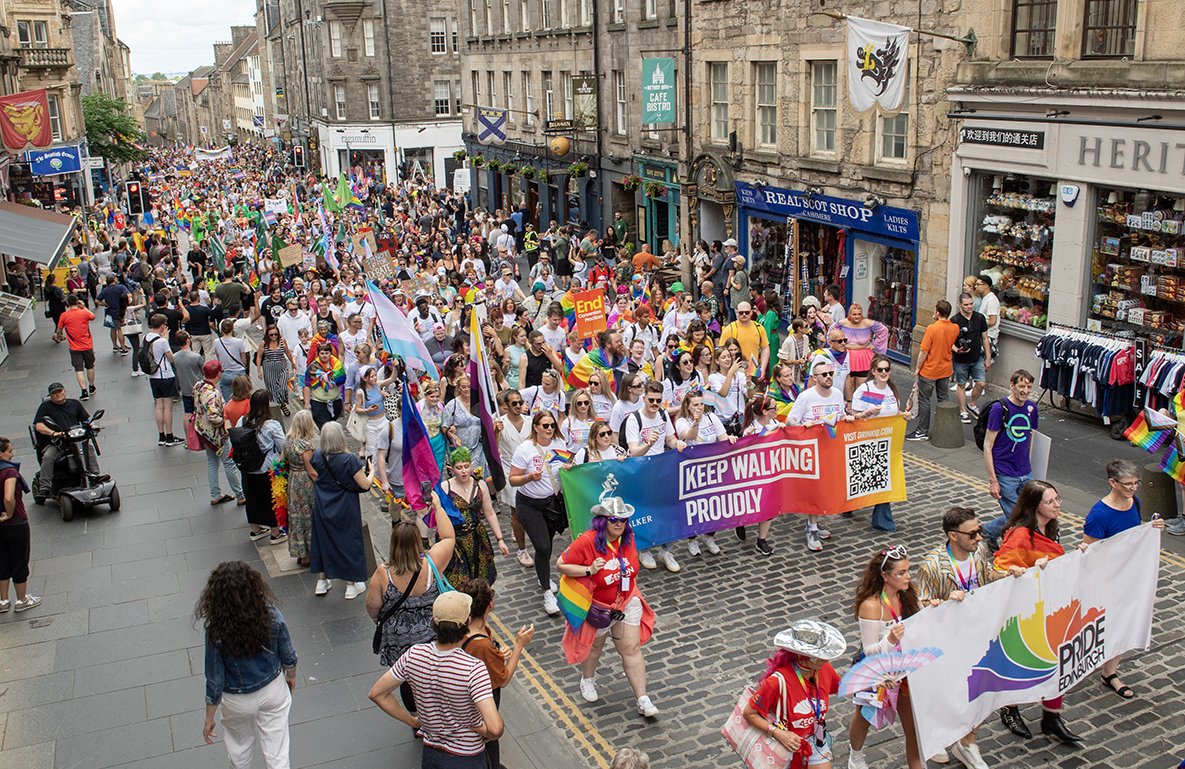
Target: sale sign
(590,313)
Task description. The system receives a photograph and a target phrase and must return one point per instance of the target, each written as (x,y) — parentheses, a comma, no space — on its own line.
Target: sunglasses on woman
(882,369)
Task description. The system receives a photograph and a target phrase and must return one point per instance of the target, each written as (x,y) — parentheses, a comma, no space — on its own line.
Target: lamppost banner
(658,90)
(584,98)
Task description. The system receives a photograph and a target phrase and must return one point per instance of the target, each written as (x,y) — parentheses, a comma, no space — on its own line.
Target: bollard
(946,431)
(1158,493)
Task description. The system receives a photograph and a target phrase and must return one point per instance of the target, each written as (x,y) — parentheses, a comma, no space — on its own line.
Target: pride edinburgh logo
(1031,650)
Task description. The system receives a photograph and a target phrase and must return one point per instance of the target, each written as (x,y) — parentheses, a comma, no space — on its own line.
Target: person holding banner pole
(649,432)
(884,598)
(949,573)
(1114,513)
(695,426)
(818,404)
(878,397)
(1031,540)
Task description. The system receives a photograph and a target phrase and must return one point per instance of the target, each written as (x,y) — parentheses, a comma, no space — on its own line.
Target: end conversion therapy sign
(723,485)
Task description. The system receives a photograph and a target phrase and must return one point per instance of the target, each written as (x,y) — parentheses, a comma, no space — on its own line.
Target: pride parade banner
(818,470)
(1034,637)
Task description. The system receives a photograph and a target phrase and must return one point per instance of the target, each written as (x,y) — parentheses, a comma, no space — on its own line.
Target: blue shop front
(799,243)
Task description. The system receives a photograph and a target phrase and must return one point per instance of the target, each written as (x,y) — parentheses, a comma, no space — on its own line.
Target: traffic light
(298,156)
(135,198)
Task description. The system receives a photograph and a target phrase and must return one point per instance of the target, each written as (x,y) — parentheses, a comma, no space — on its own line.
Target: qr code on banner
(868,467)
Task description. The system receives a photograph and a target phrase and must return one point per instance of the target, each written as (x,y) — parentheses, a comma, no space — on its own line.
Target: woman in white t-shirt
(761,417)
(878,397)
(728,380)
(695,426)
(629,400)
(600,447)
(574,428)
(546,396)
(682,380)
(535,478)
(600,388)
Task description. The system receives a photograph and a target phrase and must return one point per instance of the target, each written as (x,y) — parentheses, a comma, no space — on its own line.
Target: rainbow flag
(1148,439)
(784,399)
(559,456)
(568,303)
(335,375)
(420,471)
(575,599)
(578,376)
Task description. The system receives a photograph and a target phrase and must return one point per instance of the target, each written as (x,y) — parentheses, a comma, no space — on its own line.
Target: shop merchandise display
(1096,369)
(1014,246)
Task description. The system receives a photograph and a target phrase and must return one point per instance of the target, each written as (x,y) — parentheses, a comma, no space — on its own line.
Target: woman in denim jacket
(247,647)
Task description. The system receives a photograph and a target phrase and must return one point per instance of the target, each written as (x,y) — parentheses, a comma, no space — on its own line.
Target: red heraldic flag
(24,121)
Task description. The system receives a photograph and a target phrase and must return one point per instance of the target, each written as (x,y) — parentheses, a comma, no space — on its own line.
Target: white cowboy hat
(812,639)
(612,507)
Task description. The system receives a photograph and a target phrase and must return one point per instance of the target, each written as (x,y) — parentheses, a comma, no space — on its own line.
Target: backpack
(621,441)
(248,457)
(148,364)
(981,423)
(136,272)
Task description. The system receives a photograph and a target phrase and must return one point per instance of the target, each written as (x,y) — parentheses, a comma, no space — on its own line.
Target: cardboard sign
(308,261)
(590,313)
(290,255)
(368,236)
(379,267)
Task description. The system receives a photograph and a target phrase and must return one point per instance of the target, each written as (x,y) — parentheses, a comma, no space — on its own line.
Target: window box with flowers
(578,169)
(631,182)
(655,190)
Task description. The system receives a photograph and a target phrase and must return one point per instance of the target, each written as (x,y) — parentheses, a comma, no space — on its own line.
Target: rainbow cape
(578,376)
(574,599)
(568,303)
(315,375)
(784,399)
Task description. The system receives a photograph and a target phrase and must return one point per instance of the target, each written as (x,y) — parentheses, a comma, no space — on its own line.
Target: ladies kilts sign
(818,470)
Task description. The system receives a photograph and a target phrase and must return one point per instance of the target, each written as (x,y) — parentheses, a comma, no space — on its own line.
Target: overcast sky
(170,36)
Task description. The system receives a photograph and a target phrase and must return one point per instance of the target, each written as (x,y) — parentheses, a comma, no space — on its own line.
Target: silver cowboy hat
(812,639)
(612,507)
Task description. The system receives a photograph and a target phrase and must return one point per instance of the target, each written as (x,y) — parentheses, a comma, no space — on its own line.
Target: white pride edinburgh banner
(877,65)
(1033,637)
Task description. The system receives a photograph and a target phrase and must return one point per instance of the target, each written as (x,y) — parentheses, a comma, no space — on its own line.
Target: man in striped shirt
(455,710)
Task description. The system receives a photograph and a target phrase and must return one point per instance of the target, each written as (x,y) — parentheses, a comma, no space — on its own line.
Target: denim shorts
(970,372)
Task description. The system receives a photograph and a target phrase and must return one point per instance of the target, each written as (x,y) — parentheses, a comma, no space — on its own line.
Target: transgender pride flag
(481,402)
(420,471)
(399,336)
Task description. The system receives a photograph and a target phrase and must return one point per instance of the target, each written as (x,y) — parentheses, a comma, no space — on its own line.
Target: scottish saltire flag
(481,401)
(257,121)
(491,125)
(420,471)
(399,336)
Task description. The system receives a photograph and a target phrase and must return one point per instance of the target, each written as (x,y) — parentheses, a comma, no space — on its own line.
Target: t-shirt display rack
(1117,422)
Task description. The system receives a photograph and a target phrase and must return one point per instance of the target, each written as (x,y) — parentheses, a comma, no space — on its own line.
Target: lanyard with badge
(964,584)
(819,732)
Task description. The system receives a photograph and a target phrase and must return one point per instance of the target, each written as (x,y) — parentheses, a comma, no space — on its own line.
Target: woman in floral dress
(298,451)
(472,556)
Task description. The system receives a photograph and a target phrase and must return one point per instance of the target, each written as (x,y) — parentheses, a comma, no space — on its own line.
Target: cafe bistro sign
(898,223)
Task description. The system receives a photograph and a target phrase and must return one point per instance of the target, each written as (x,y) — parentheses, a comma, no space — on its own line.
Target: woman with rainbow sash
(599,598)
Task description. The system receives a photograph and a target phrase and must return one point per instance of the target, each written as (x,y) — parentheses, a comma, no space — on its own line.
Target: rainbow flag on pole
(1142,435)
(575,599)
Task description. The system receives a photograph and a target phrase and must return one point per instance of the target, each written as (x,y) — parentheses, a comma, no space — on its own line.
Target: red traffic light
(134,189)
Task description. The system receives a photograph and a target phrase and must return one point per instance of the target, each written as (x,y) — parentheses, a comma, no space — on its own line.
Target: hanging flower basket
(578,169)
(631,182)
(460,156)
(479,161)
(528,172)
(494,166)
(655,190)
(543,176)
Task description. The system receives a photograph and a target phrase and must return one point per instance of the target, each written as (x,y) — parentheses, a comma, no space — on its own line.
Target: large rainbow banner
(818,470)
(1032,637)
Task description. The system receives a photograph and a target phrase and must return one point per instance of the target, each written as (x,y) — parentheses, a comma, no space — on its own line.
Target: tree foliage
(141,79)
(158,76)
(111,131)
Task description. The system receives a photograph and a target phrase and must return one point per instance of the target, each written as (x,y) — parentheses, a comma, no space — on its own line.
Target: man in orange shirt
(644,261)
(75,324)
(934,366)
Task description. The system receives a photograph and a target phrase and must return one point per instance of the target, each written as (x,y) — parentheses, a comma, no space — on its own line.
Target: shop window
(883,283)
(1138,267)
(1011,239)
(1034,28)
(1110,28)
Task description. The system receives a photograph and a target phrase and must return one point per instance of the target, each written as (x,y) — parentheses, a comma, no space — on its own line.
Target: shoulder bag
(757,748)
(377,643)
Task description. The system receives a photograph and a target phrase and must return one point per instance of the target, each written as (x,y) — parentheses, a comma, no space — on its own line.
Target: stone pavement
(108,671)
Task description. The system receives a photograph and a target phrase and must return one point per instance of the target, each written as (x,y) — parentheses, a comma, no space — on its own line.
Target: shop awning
(34,234)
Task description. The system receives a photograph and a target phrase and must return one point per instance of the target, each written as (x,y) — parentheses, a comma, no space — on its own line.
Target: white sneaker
(29,602)
(710,543)
(941,757)
(323,586)
(693,546)
(549,603)
(5,606)
(552,586)
(588,689)
(812,540)
(668,560)
(355,589)
(646,707)
(137,373)
(646,558)
(823,534)
(968,754)
(856,760)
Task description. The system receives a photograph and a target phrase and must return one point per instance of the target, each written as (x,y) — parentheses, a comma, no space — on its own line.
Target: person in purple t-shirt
(1115,513)
(1006,447)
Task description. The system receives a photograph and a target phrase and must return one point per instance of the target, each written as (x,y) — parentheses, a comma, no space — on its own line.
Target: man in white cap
(818,404)
(718,274)
(455,710)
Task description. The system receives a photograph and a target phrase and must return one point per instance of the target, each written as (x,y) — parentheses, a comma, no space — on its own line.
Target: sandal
(1123,691)
(284,410)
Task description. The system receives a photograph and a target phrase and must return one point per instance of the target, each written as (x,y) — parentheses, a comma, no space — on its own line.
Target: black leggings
(493,752)
(530,515)
(14,552)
